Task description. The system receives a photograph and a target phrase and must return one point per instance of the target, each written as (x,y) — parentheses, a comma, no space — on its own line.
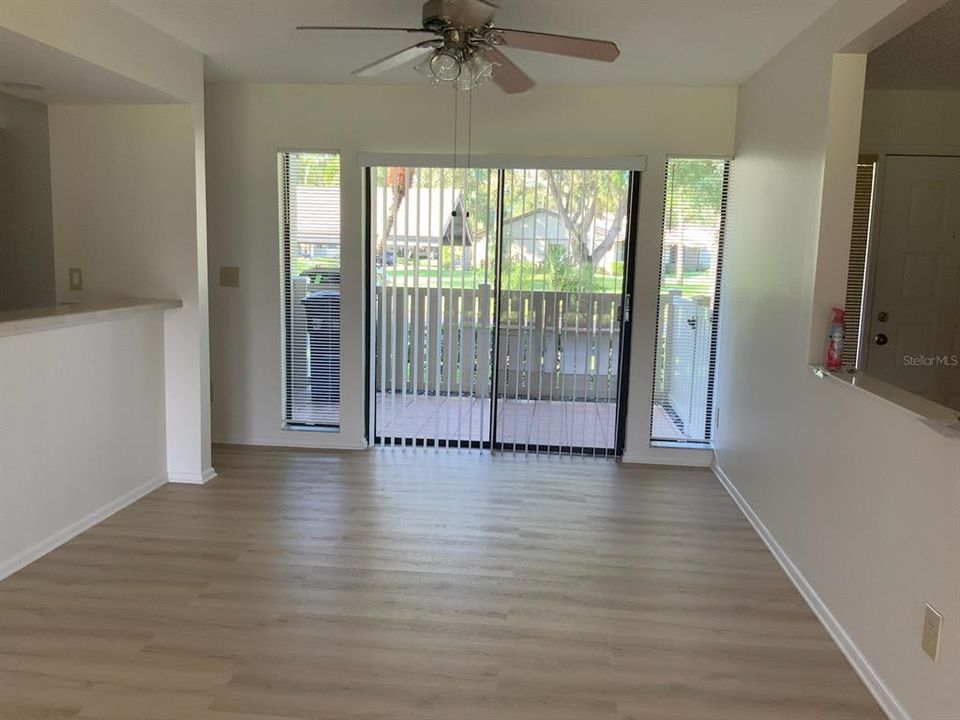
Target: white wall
(860,495)
(125,212)
(248,124)
(26,232)
(81,429)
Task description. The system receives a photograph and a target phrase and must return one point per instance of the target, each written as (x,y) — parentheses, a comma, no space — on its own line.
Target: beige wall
(26,233)
(248,124)
(99,32)
(101,158)
(81,429)
(860,495)
(911,121)
(125,212)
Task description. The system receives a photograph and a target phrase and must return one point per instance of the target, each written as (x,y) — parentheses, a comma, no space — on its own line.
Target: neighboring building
(533,232)
(315,211)
(689,249)
(427,219)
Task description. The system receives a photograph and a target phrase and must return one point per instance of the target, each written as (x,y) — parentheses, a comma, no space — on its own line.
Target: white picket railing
(552,345)
(683,360)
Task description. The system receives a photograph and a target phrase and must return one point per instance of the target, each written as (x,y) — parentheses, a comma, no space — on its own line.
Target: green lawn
(428,275)
(403,276)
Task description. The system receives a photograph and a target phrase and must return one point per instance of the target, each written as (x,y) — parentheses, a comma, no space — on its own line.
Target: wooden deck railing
(553,345)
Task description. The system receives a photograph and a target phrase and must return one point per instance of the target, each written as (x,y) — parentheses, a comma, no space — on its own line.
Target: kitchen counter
(17,322)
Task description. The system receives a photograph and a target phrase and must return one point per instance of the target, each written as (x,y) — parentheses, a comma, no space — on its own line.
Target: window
(310,248)
(693,223)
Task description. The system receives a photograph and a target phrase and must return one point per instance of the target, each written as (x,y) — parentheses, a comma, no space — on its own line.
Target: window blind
(310,247)
(857,263)
(695,203)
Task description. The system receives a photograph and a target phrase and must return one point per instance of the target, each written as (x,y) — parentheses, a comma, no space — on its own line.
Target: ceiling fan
(467,53)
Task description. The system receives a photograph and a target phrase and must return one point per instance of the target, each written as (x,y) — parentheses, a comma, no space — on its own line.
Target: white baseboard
(882,694)
(31,554)
(297,440)
(192,478)
(679,456)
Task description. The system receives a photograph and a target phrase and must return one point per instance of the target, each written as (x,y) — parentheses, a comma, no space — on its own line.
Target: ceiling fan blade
(586,48)
(397,59)
(362,27)
(506,74)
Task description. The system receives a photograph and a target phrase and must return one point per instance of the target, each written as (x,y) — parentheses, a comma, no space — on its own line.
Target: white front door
(913,332)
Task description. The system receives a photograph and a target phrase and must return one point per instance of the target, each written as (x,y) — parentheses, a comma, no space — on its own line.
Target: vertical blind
(498,306)
(434,236)
(693,223)
(857,264)
(310,246)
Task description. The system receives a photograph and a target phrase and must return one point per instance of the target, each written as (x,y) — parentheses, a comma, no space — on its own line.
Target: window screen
(310,246)
(693,222)
(857,265)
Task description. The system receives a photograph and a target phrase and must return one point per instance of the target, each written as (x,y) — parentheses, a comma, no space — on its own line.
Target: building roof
(424,216)
(546,224)
(693,236)
(315,214)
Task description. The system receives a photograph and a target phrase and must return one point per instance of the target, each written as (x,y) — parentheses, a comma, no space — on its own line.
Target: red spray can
(835,340)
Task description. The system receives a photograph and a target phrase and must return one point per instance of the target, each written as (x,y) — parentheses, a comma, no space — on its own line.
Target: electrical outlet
(229,276)
(932,621)
(76,279)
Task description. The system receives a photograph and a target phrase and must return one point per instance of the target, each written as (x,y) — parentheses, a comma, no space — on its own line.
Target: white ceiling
(65,79)
(664,42)
(925,56)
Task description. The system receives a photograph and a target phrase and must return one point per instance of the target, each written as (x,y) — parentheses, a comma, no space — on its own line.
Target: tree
(399,180)
(316,169)
(694,193)
(580,198)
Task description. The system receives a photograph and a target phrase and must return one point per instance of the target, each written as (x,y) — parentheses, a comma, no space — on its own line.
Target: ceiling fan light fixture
(479,70)
(464,69)
(423,67)
(446,65)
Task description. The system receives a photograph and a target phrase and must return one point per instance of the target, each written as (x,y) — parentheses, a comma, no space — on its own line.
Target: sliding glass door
(561,290)
(434,251)
(499,296)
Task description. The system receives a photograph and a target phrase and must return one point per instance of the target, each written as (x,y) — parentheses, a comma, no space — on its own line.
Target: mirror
(903,286)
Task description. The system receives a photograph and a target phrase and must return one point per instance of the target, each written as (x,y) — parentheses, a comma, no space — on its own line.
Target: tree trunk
(399,191)
(613,232)
(575,231)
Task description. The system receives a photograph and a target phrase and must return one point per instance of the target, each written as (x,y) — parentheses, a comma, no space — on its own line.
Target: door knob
(880,339)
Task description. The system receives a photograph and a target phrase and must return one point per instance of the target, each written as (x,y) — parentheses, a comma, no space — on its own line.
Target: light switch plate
(76,279)
(229,276)
(932,622)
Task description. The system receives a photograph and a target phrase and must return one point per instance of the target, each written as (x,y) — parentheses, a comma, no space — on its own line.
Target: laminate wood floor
(419,584)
